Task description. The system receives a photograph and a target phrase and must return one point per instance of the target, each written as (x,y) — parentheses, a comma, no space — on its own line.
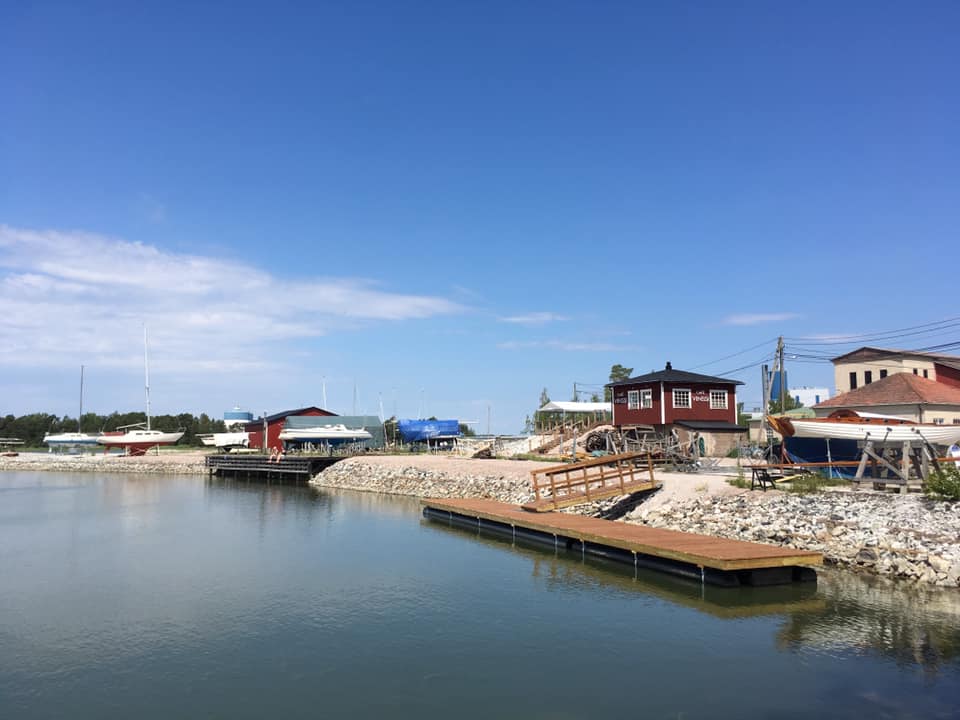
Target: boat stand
(893,463)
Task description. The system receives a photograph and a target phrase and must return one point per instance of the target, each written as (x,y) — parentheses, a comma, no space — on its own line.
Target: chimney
(669,366)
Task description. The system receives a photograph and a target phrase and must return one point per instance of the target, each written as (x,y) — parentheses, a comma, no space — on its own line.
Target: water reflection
(909,624)
(842,613)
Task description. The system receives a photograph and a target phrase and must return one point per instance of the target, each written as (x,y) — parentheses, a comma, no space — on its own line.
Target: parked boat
(325,433)
(225,440)
(137,439)
(851,425)
(72,439)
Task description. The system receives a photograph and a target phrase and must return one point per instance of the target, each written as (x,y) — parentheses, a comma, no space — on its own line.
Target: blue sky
(454,205)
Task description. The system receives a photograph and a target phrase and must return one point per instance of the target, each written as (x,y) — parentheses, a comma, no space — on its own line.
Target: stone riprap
(903,536)
(166,463)
(432,476)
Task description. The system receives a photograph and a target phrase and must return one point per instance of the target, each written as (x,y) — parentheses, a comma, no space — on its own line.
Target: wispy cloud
(564,345)
(534,318)
(758,318)
(66,296)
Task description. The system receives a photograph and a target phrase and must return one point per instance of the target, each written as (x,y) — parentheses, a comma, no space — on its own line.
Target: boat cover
(420,430)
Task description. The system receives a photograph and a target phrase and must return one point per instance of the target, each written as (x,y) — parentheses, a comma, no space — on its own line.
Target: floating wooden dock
(712,560)
(569,484)
(297,468)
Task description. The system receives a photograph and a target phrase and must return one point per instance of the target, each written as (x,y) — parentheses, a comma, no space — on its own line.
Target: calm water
(174,597)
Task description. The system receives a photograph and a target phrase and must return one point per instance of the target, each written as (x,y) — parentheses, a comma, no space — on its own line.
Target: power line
(741,352)
(922,329)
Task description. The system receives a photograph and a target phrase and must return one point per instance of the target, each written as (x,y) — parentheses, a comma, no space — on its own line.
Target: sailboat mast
(80,417)
(146,372)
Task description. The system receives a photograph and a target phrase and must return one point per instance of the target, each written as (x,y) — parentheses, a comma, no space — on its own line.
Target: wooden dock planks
(700,550)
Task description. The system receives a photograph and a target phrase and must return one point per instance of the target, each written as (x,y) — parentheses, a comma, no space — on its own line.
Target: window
(956,421)
(938,421)
(867,377)
(633,400)
(681,398)
(925,374)
(853,381)
(718,399)
(646,399)
(883,374)
(914,371)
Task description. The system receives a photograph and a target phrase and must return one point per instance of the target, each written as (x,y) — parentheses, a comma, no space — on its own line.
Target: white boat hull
(332,433)
(140,439)
(226,440)
(70,439)
(934,434)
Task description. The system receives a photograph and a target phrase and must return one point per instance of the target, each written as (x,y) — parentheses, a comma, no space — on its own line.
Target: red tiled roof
(897,389)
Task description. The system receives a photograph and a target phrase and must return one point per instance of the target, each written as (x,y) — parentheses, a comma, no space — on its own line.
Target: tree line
(31,428)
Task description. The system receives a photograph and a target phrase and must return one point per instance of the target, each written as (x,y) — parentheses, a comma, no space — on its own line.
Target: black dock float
(298,468)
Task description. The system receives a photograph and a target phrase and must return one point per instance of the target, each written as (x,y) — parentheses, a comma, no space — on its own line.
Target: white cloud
(758,318)
(71,297)
(533,318)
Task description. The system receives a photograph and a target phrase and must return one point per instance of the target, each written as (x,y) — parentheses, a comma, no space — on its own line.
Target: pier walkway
(713,560)
(260,467)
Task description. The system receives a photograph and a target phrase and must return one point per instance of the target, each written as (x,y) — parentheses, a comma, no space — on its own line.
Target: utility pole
(324,381)
(783,376)
(488,418)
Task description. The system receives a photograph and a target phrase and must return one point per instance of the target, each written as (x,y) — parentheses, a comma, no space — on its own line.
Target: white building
(809,396)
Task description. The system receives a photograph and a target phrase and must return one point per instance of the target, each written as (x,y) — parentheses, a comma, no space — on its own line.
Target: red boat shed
(695,406)
(274,425)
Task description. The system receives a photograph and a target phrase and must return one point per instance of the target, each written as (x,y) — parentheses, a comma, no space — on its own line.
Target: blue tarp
(420,430)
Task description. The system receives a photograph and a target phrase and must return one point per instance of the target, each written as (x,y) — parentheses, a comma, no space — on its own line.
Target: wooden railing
(560,486)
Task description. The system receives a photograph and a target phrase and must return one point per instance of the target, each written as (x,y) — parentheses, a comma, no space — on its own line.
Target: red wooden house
(274,424)
(696,406)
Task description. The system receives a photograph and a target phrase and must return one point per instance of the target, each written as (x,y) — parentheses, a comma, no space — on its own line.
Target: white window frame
(717,405)
(689,398)
(633,399)
(646,399)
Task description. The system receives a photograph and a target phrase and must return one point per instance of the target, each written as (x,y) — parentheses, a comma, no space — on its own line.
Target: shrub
(944,483)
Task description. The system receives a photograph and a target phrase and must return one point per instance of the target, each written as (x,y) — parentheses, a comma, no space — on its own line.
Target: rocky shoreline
(179,464)
(415,477)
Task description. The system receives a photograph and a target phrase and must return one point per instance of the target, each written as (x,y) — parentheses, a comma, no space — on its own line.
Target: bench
(762,476)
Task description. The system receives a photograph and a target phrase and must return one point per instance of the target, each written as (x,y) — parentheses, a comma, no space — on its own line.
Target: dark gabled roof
(668,374)
(711,425)
(288,413)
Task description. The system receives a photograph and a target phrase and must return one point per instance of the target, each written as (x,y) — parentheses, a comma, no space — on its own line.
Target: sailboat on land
(139,438)
(853,425)
(72,439)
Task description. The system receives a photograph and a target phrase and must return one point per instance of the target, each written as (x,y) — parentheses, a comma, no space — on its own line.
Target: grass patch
(944,483)
(739,481)
(811,483)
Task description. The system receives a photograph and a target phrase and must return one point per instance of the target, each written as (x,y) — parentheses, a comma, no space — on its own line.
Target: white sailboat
(72,439)
(137,439)
(852,425)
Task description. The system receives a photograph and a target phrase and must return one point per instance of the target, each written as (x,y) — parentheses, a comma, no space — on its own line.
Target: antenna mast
(146,373)
(80,419)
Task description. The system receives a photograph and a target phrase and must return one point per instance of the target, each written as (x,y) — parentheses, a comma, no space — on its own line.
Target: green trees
(31,428)
(617,373)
